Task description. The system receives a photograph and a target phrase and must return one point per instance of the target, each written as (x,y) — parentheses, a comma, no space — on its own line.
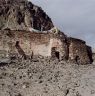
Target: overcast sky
(75,18)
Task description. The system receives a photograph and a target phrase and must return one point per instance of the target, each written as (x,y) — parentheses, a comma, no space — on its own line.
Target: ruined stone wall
(52,44)
(36,43)
(60,47)
(29,43)
(78,51)
(90,53)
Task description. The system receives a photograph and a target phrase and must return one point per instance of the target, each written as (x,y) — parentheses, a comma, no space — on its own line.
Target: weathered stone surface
(79,52)
(31,43)
(23,15)
(26,30)
(51,44)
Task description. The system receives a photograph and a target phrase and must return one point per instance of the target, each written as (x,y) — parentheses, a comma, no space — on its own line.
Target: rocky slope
(43,77)
(39,76)
(23,15)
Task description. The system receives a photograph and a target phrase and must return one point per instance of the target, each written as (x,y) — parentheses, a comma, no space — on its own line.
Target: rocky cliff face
(23,15)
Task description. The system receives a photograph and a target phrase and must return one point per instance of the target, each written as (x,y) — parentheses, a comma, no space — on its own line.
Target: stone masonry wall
(28,43)
(78,51)
(50,44)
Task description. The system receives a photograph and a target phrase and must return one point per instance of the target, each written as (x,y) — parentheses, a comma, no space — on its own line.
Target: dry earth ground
(47,78)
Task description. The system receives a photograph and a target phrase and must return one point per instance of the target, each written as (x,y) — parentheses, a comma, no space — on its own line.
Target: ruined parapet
(78,51)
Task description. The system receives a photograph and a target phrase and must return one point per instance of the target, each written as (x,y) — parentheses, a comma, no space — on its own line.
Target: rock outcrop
(23,15)
(26,30)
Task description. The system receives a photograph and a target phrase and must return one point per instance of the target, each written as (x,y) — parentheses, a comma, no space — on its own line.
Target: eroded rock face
(23,15)
(51,44)
(79,52)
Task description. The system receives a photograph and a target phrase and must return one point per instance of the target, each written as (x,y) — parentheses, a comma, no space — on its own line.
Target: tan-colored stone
(49,44)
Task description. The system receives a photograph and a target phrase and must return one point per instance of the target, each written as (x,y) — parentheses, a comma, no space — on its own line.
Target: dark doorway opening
(17,43)
(77,59)
(57,54)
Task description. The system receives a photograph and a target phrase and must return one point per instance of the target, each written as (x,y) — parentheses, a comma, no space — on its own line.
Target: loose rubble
(45,77)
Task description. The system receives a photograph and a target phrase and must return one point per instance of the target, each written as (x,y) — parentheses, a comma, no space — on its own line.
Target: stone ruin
(53,44)
(79,52)
(27,31)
